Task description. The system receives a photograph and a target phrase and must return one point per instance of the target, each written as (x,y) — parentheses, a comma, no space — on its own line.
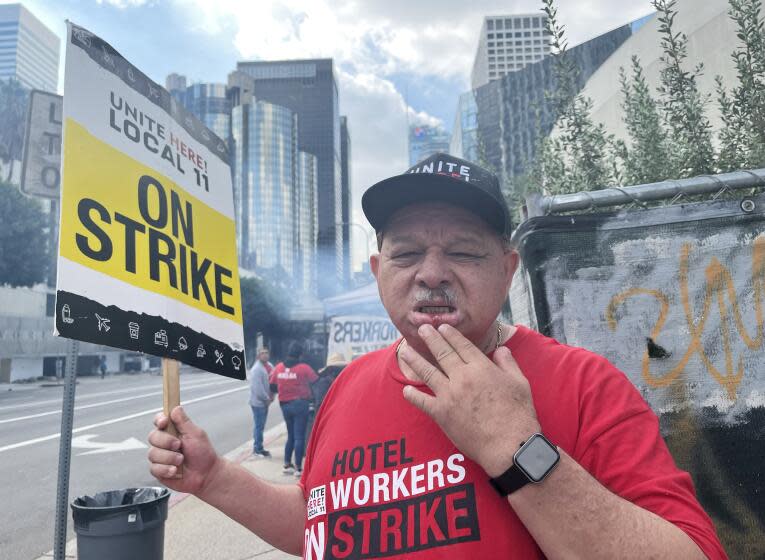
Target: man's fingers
(163,440)
(182,422)
(430,374)
(160,421)
(446,356)
(421,400)
(163,471)
(164,457)
(467,351)
(504,359)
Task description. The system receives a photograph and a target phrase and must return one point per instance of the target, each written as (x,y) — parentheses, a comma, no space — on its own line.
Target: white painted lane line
(104,403)
(85,441)
(115,420)
(189,385)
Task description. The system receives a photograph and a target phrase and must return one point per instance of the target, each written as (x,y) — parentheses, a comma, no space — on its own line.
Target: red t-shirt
(293,382)
(382,480)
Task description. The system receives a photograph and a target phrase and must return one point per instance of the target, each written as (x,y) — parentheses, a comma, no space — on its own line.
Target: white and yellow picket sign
(147,254)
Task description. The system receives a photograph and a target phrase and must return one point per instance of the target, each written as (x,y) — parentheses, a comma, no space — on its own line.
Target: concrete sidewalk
(197,531)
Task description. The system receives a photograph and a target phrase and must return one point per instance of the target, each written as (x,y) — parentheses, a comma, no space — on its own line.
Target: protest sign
(353,335)
(147,254)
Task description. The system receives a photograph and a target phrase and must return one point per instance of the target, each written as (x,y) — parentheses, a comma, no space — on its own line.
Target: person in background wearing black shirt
(335,364)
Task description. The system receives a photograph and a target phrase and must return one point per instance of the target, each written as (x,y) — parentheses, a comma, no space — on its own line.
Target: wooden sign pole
(171,395)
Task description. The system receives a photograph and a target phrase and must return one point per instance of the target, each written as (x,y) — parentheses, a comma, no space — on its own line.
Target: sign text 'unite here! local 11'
(147,254)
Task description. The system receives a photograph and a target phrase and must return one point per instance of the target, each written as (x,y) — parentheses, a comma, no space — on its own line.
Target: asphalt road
(112,419)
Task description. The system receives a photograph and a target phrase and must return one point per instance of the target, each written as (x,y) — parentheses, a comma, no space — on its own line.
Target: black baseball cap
(444,178)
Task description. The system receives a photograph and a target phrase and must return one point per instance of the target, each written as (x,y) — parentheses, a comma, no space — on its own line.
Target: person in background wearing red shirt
(293,380)
(468,437)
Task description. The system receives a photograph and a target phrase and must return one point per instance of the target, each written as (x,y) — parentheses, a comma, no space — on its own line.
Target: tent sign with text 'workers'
(147,254)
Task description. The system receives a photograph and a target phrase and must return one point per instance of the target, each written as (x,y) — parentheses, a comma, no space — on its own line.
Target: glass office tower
(426,140)
(211,106)
(207,101)
(308,88)
(345,163)
(306,223)
(265,162)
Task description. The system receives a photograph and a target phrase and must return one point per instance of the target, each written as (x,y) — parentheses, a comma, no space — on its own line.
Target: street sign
(41,168)
(147,252)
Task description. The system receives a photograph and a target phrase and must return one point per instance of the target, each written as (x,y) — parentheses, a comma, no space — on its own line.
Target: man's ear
(511,261)
(374,264)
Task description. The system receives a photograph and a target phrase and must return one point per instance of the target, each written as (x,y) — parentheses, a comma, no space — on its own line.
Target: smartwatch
(533,462)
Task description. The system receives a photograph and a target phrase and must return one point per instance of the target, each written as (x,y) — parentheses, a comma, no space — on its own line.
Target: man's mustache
(441,295)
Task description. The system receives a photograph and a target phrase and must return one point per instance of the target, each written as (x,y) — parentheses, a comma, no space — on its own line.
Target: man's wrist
(502,454)
(217,471)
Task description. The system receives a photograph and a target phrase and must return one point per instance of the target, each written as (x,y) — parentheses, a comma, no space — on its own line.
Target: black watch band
(509,481)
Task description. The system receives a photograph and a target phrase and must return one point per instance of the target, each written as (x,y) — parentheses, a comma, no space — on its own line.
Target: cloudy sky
(395,59)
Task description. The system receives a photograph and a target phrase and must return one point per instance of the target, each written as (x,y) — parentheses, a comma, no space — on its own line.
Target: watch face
(537,458)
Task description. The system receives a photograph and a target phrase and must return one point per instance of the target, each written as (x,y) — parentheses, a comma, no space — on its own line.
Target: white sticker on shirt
(317,501)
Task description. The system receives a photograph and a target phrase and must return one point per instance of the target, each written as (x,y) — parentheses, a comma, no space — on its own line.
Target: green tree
(681,102)
(581,156)
(732,136)
(742,136)
(23,245)
(647,158)
(13,108)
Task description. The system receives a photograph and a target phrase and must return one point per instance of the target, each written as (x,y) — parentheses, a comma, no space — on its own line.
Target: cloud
(377,119)
(389,36)
(122,4)
(376,42)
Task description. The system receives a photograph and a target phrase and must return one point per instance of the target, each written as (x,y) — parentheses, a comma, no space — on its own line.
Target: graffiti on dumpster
(719,294)
(675,298)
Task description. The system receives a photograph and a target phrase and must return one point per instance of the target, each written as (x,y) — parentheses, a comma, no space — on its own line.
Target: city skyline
(308,88)
(403,61)
(276,187)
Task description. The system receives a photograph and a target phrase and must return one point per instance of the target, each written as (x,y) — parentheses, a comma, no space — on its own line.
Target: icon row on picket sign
(104,323)
(160,337)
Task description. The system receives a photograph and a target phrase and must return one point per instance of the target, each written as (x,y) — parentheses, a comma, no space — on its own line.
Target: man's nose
(434,271)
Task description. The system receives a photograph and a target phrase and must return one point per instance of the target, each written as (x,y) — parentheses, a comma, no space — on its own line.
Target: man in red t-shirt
(293,379)
(468,438)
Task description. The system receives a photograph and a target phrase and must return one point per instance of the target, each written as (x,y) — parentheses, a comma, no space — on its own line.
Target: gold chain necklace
(496,346)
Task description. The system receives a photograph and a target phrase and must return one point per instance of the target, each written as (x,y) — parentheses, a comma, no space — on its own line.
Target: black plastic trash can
(121,524)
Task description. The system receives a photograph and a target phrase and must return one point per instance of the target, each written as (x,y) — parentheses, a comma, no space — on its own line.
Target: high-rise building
(464,142)
(211,106)
(345,165)
(513,111)
(207,101)
(426,140)
(175,83)
(507,44)
(306,223)
(308,88)
(29,51)
(265,161)
(275,191)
